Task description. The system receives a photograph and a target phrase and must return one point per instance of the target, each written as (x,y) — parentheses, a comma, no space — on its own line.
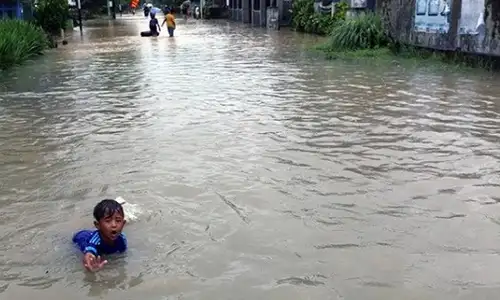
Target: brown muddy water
(260,171)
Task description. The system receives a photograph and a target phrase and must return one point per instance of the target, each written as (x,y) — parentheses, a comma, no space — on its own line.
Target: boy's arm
(93,263)
(92,244)
(91,259)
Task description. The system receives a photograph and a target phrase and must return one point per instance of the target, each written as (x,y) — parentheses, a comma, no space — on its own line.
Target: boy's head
(109,219)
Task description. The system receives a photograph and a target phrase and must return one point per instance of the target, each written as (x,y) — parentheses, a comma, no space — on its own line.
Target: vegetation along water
(365,35)
(22,40)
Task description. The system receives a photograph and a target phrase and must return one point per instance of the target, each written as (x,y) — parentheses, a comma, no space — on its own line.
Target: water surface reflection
(262,171)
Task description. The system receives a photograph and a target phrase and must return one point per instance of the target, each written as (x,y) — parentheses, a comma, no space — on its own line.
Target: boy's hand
(92,263)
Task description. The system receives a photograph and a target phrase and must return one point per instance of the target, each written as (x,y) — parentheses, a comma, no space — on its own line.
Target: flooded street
(260,171)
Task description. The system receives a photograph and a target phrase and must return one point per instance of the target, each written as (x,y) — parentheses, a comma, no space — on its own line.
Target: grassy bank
(407,58)
(364,37)
(357,37)
(20,41)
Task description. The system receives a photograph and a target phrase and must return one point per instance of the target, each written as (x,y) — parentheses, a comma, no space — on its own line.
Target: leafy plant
(341,9)
(52,15)
(19,41)
(362,32)
(301,11)
(305,19)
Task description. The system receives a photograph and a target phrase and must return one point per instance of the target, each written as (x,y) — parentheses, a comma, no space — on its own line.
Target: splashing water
(131,211)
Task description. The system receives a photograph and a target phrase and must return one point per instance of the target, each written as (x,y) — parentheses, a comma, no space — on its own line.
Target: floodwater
(261,171)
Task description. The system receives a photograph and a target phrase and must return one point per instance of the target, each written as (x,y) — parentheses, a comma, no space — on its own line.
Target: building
(255,11)
(325,6)
(17,9)
(11,9)
(469,26)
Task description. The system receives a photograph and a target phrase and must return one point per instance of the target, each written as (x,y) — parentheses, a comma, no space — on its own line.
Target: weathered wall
(240,11)
(400,17)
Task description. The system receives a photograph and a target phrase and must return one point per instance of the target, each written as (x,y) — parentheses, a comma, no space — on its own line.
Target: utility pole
(114,10)
(80,16)
(201,9)
(456,12)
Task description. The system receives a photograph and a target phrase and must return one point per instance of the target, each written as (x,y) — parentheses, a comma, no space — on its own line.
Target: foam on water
(132,211)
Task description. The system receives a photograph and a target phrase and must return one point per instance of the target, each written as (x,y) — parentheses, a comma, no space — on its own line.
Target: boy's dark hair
(107,207)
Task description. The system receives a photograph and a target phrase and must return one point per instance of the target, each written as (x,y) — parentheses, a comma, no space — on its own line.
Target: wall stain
(399,18)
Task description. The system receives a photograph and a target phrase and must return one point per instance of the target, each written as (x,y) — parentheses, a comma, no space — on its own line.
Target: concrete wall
(246,10)
(257,17)
(458,29)
(272,18)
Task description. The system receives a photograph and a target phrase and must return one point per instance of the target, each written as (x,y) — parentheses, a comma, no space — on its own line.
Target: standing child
(107,239)
(170,20)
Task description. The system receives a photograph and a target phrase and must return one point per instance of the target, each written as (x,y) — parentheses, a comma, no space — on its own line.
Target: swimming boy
(107,239)
(170,20)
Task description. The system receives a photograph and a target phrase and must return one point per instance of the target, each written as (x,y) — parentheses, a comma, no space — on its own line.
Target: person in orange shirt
(170,20)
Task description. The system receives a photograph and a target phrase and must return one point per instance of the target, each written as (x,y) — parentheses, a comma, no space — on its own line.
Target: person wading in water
(185,8)
(170,20)
(154,26)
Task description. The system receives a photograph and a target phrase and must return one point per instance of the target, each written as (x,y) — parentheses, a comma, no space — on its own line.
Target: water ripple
(256,163)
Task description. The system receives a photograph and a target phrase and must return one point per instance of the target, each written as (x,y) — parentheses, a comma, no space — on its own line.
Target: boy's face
(111,226)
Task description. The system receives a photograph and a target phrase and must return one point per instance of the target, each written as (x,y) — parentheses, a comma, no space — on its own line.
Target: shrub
(52,15)
(361,32)
(305,19)
(19,41)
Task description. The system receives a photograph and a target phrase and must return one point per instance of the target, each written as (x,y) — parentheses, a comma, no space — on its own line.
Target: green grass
(405,58)
(361,32)
(20,41)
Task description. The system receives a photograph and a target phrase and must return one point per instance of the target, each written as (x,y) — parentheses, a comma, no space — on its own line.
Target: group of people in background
(154,24)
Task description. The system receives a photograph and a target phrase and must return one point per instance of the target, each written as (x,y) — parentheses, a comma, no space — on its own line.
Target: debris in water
(234,207)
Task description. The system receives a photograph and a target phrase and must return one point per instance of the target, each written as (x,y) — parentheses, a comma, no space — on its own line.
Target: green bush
(52,15)
(69,25)
(361,32)
(19,41)
(305,19)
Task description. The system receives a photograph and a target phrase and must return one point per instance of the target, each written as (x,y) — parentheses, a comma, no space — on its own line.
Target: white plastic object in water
(131,211)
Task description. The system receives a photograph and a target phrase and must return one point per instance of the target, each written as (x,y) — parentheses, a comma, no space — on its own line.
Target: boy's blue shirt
(91,241)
